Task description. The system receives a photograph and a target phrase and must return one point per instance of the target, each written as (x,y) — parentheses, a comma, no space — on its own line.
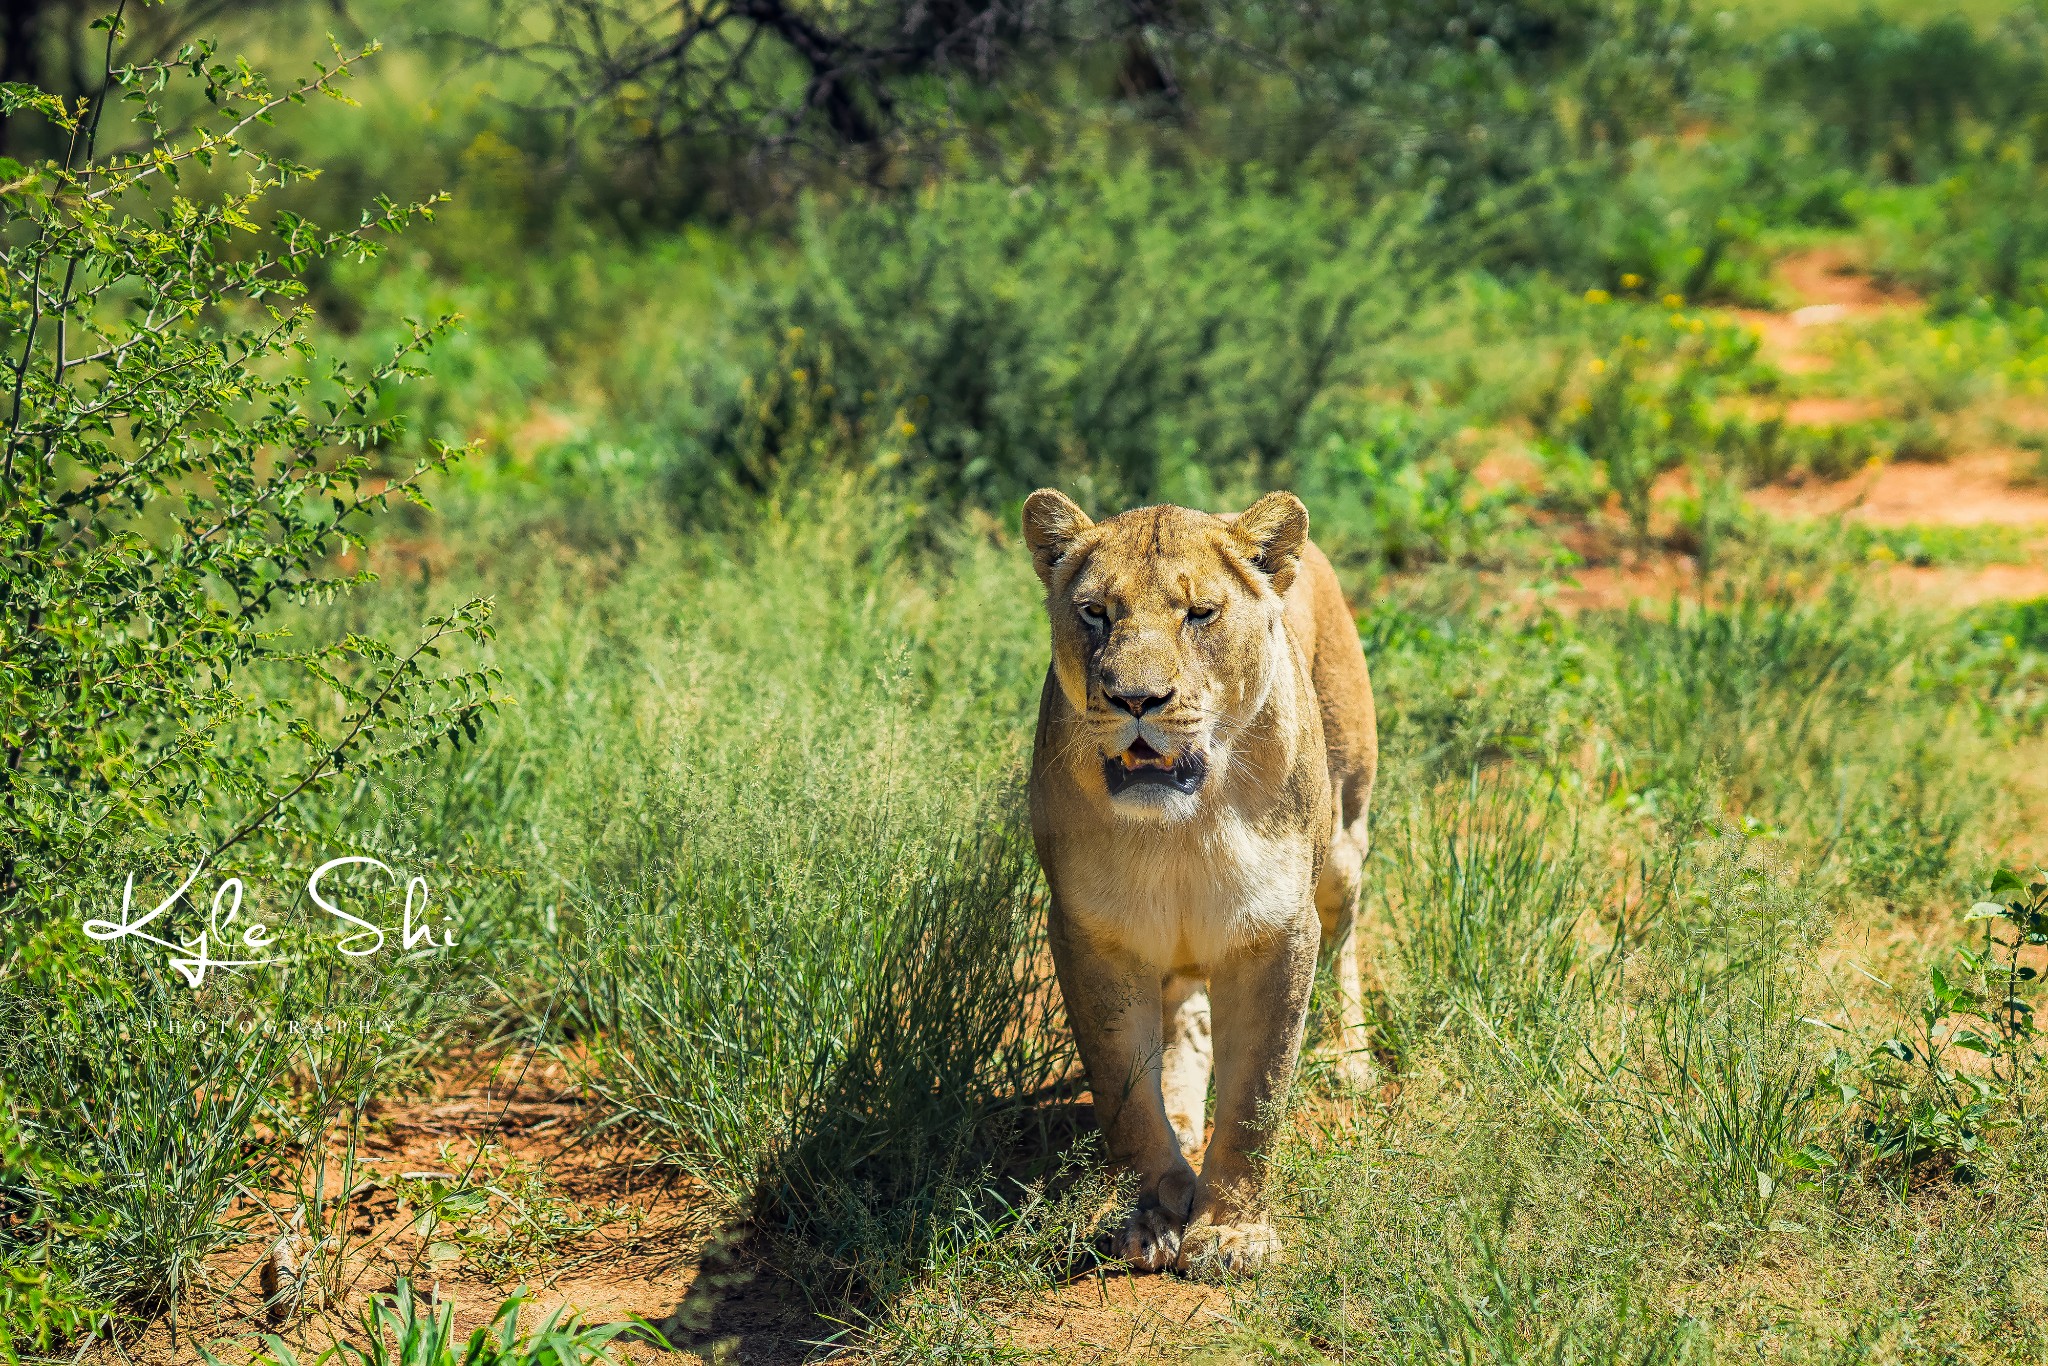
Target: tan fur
(1175,913)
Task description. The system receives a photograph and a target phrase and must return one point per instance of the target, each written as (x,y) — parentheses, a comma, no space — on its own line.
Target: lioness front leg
(1114,1003)
(1259,1003)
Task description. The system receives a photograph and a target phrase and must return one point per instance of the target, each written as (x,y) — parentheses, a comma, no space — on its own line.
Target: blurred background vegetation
(768,316)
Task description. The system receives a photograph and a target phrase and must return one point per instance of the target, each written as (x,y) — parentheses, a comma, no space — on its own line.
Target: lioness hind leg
(1184,1073)
(1337,897)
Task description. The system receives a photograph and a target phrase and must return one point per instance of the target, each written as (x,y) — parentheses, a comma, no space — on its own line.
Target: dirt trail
(639,1244)
(1986,487)
(1828,288)
(621,1237)
(1979,488)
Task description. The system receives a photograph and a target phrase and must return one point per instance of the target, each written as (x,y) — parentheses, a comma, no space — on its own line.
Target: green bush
(1396,491)
(41,1305)
(1910,101)
(173,471)
(1978,239)
(1137,331)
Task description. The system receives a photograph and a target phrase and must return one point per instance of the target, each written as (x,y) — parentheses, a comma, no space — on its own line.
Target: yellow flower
(799,375)
(1631,281)
(1597,366)
(907,428)
(1674,301)
(1597,296)
(1698,326)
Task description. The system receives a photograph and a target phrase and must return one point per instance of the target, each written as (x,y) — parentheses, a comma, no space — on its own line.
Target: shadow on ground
(751,1304)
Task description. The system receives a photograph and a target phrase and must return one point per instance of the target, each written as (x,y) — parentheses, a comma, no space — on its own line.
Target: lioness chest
(1184,900)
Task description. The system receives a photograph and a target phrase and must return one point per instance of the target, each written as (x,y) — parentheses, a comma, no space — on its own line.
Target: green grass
(1617,855)
(1656,896)
(761,790)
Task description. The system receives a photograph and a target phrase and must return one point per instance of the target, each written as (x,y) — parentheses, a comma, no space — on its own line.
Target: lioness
(1199,784)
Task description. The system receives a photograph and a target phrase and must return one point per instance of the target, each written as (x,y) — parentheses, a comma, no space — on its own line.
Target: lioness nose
(1138,703)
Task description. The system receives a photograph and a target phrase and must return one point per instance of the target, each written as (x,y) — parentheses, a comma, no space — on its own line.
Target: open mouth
(1143,766)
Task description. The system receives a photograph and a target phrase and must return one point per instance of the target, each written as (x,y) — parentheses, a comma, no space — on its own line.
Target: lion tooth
(1130,759)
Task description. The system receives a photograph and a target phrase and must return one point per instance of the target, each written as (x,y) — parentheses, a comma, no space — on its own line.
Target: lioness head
(1166,636)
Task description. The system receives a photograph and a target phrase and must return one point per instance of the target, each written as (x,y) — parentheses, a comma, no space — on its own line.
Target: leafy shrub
(1639,404)
(1474,97)
(1146,330)
(1684,221)
(1770,449)
(176,474)
(1907,100)
(173,471)
(1396,490)
(1908,1108)
(41,1306)
(1980,239)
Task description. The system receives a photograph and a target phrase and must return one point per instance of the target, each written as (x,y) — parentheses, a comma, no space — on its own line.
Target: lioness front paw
(1216,1250)
(1150,1240)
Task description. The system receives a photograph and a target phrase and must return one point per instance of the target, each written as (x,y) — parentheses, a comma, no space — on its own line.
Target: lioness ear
(1272,532)
(1051,522)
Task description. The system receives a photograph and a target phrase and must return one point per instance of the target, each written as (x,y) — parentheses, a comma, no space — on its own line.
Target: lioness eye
(1091,614)
(1200,614)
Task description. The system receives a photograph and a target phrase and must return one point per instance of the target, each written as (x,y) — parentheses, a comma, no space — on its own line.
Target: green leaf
(1810,1158)
(1975,1042)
